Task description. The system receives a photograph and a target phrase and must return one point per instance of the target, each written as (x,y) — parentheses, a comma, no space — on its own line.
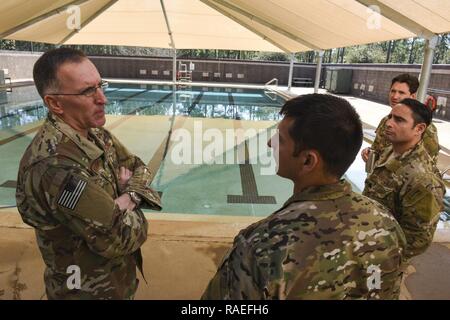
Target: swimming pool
(205,145)
(147,118)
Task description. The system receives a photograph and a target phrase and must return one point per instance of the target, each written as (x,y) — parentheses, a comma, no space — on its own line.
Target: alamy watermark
(73,22)
(374,280)
(74,280)
(229,146)
(374,20)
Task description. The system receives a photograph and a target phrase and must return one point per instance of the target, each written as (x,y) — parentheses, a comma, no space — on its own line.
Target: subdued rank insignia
(72,193)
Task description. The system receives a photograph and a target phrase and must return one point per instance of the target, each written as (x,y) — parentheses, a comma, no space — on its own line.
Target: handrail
(270,94)
(438,91)
(444,172)
(273,80)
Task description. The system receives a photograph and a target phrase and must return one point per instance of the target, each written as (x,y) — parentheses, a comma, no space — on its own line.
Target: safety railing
(275,80)
(444,174)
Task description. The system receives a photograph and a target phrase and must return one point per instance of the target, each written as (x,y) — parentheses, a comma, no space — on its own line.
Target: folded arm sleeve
(90,212)
(141,178)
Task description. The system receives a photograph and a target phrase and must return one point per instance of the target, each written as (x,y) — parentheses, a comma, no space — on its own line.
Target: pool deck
(180,257)
(182,251)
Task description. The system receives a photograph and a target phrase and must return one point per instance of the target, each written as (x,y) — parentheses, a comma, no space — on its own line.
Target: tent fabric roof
(263,25)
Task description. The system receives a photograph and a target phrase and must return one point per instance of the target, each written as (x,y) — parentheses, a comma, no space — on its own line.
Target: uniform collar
(88,147)
(394,162)
(324,192)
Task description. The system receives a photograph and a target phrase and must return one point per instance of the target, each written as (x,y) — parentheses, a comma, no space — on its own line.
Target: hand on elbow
(124,202)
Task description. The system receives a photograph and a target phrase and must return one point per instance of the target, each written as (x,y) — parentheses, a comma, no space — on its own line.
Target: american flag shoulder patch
(72,192)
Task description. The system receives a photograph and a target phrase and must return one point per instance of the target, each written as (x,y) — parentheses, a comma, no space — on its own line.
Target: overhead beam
(276,28)
(87,21)
(399,18)
(44,16)
(246,25)
(172,42)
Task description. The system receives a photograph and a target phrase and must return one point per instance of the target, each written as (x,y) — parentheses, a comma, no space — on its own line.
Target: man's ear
(420,128)
(53,104)
(311,160)
(414,95)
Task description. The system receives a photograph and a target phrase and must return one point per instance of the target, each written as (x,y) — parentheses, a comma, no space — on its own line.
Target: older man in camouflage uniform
(81,189)
(403,86)
(326,242)
(405,179)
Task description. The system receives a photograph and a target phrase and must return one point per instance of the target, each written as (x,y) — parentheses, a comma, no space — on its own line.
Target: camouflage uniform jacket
(411,187)
(66,188)
(430,139)
(326,242)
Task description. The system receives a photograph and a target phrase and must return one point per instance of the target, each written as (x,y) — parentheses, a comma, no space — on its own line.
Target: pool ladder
(444,174)
(275,80)
(184,75)
(269,93)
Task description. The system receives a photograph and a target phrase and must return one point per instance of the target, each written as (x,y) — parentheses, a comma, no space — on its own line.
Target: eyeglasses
(88,92)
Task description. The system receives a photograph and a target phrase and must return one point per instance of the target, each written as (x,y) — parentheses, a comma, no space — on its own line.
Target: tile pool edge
(190,84)
(10,218)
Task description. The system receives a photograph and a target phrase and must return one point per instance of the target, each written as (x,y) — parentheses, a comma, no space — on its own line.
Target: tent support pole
(291,70)
(427,65)
(318,70)
(172,44)
(174,66)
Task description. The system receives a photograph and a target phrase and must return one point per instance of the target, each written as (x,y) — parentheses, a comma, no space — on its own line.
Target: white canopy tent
(263,25)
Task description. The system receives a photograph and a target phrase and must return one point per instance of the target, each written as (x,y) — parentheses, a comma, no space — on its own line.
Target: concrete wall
(204,70)
(19,65)
(373,81)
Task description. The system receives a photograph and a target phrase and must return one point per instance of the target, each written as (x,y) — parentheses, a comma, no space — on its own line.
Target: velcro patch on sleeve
(72,192)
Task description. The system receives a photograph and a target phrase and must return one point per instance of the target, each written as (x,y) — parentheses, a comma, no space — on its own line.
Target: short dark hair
(420,112)
(328,124)
(46,67)
(410,80)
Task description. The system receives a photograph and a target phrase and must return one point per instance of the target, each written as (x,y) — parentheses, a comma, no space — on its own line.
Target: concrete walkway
(181,256)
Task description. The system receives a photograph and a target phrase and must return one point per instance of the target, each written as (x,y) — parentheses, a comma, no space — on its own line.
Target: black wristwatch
(135,197)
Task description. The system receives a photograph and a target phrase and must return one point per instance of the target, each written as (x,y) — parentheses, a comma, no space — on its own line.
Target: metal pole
(174,66)
(318,70)
(172,43)
(291,69)
(425,72)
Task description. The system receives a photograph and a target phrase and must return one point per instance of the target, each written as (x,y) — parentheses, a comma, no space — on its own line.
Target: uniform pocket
(423,203)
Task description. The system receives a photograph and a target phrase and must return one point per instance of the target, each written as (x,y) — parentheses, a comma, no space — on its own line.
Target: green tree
(7,45)
(394,51)
(370,53)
